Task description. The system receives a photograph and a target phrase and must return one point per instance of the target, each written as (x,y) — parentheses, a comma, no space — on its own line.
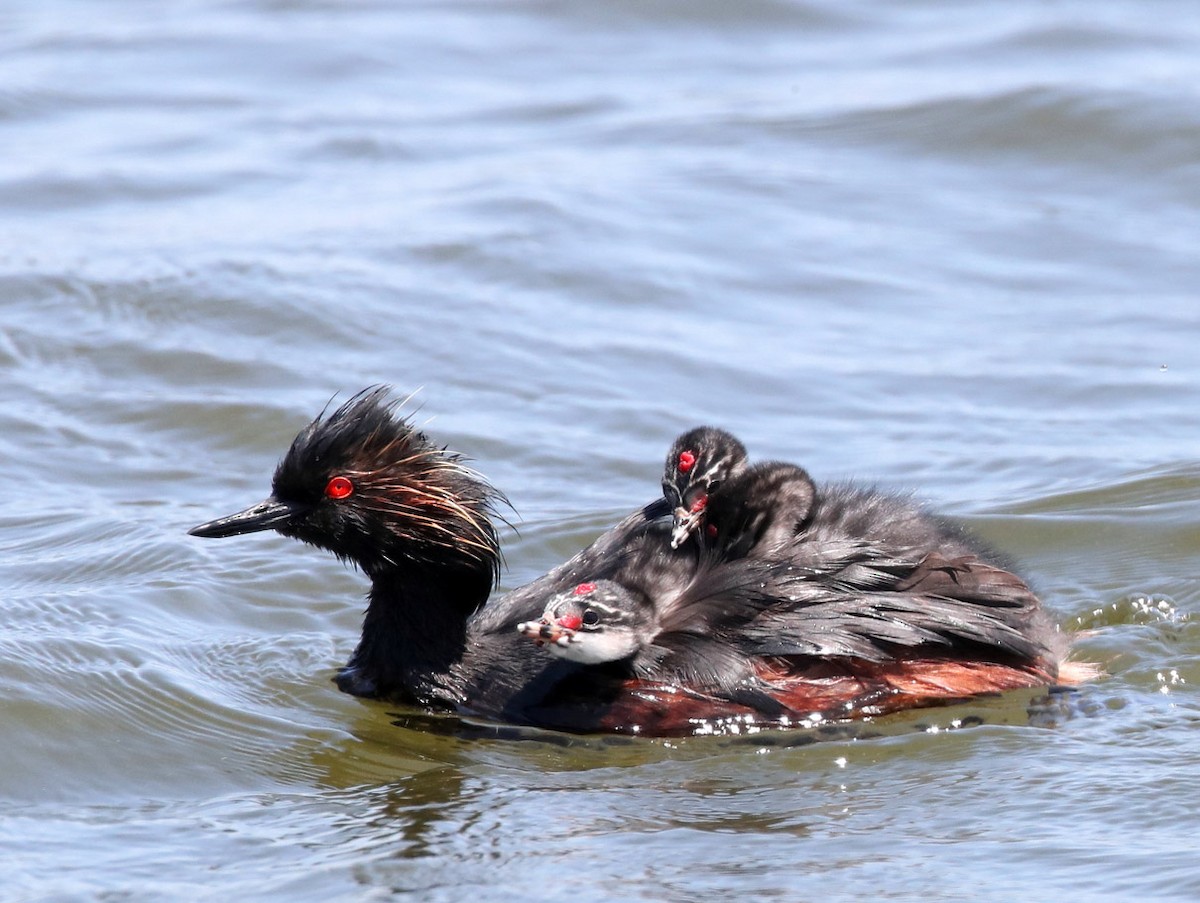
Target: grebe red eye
(584,588)
(687,460)
(591,618)
(339,488)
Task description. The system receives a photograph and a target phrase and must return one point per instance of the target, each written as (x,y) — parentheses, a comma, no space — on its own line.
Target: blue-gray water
(943,247)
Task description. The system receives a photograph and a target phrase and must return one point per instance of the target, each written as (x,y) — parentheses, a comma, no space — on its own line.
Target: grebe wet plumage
(856,625)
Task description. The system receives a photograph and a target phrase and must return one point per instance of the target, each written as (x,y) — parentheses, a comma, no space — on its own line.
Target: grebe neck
(414,632)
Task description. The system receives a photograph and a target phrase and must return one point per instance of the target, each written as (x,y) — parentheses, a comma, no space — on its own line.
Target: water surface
(941,248)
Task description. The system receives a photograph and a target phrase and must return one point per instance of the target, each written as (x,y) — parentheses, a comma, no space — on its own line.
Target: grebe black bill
(873,603)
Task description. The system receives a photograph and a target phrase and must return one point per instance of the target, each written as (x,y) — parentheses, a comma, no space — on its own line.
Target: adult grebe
(861,624)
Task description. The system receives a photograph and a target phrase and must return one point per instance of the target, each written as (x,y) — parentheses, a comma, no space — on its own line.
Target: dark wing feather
(693,661)
(698,627)
(939,603)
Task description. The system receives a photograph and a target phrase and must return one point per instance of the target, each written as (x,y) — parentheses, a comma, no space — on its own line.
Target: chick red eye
(591,618)
(338,488)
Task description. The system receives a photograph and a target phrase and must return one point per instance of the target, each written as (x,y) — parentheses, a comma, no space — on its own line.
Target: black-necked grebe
(695,633)
(876,607)
(722,502)
(699,462)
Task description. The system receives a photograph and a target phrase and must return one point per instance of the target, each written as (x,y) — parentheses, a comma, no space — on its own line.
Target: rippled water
(943,247)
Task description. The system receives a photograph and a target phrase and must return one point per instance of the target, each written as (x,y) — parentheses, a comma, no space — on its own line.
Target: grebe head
(698,463)
(365,484)
(593,623)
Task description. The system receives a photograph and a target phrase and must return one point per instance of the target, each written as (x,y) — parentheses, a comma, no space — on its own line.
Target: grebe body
(870,607)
